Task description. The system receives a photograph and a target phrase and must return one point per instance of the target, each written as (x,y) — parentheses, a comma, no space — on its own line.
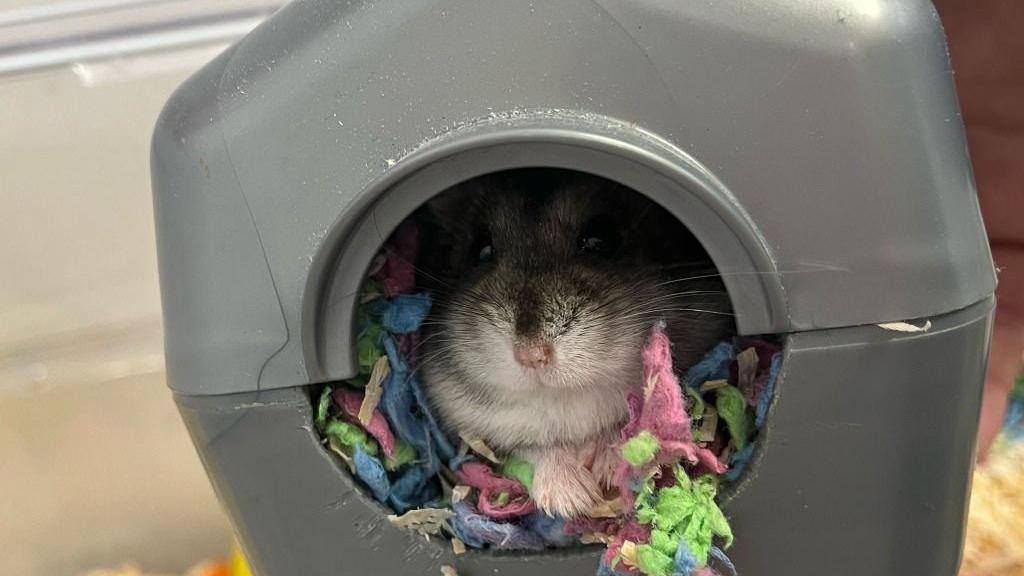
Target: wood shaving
(446,487)
(746,368)
(460,493)
(628,553)
(595,538)
(447,570)
(458,546)
(374,390)
(906,327)
(336,446)
(482,449)
(608,508)
(712,385)
(995,524)
(708,425)
(447,475)
(426,521)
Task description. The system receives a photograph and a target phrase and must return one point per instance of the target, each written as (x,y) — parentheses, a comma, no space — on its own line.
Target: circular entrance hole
(539,352)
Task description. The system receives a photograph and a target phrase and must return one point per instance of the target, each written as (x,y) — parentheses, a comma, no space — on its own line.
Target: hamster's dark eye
(600,237)
(485,253)
(483,248)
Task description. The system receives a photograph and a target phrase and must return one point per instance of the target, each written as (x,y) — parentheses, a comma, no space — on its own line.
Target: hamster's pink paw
(605,464)
(563,486)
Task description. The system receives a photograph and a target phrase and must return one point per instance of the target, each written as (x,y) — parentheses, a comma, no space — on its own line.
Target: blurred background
(95,465)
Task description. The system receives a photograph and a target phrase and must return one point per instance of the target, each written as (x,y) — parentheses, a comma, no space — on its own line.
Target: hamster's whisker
(664,297)
(430,357)
(661,310)
(392,253)
(819,268)
(437,336)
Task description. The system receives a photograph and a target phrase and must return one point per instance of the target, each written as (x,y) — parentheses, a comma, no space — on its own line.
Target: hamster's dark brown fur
(547,284)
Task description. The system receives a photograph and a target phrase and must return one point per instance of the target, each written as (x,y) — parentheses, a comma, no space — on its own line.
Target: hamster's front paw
(605,463)
(562,485)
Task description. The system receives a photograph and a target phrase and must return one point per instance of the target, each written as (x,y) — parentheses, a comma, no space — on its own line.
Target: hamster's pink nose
(534,355)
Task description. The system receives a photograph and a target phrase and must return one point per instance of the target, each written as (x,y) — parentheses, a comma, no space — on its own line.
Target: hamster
(547,284)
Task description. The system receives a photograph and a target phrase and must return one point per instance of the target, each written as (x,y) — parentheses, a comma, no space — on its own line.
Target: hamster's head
(549,279)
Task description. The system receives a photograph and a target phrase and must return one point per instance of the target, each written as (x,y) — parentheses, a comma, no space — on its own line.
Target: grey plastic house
(815,148)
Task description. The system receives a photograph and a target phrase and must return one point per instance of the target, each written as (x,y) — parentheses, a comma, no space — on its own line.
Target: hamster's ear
(671,241)
(450,209)
(655,229)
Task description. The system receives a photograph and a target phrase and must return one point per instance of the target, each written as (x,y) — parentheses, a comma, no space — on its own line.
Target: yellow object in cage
(239,566)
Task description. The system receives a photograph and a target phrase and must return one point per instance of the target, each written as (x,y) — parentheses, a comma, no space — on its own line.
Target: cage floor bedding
(682,443)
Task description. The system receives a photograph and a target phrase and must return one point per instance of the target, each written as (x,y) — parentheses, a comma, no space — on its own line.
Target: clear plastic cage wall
(814,147)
